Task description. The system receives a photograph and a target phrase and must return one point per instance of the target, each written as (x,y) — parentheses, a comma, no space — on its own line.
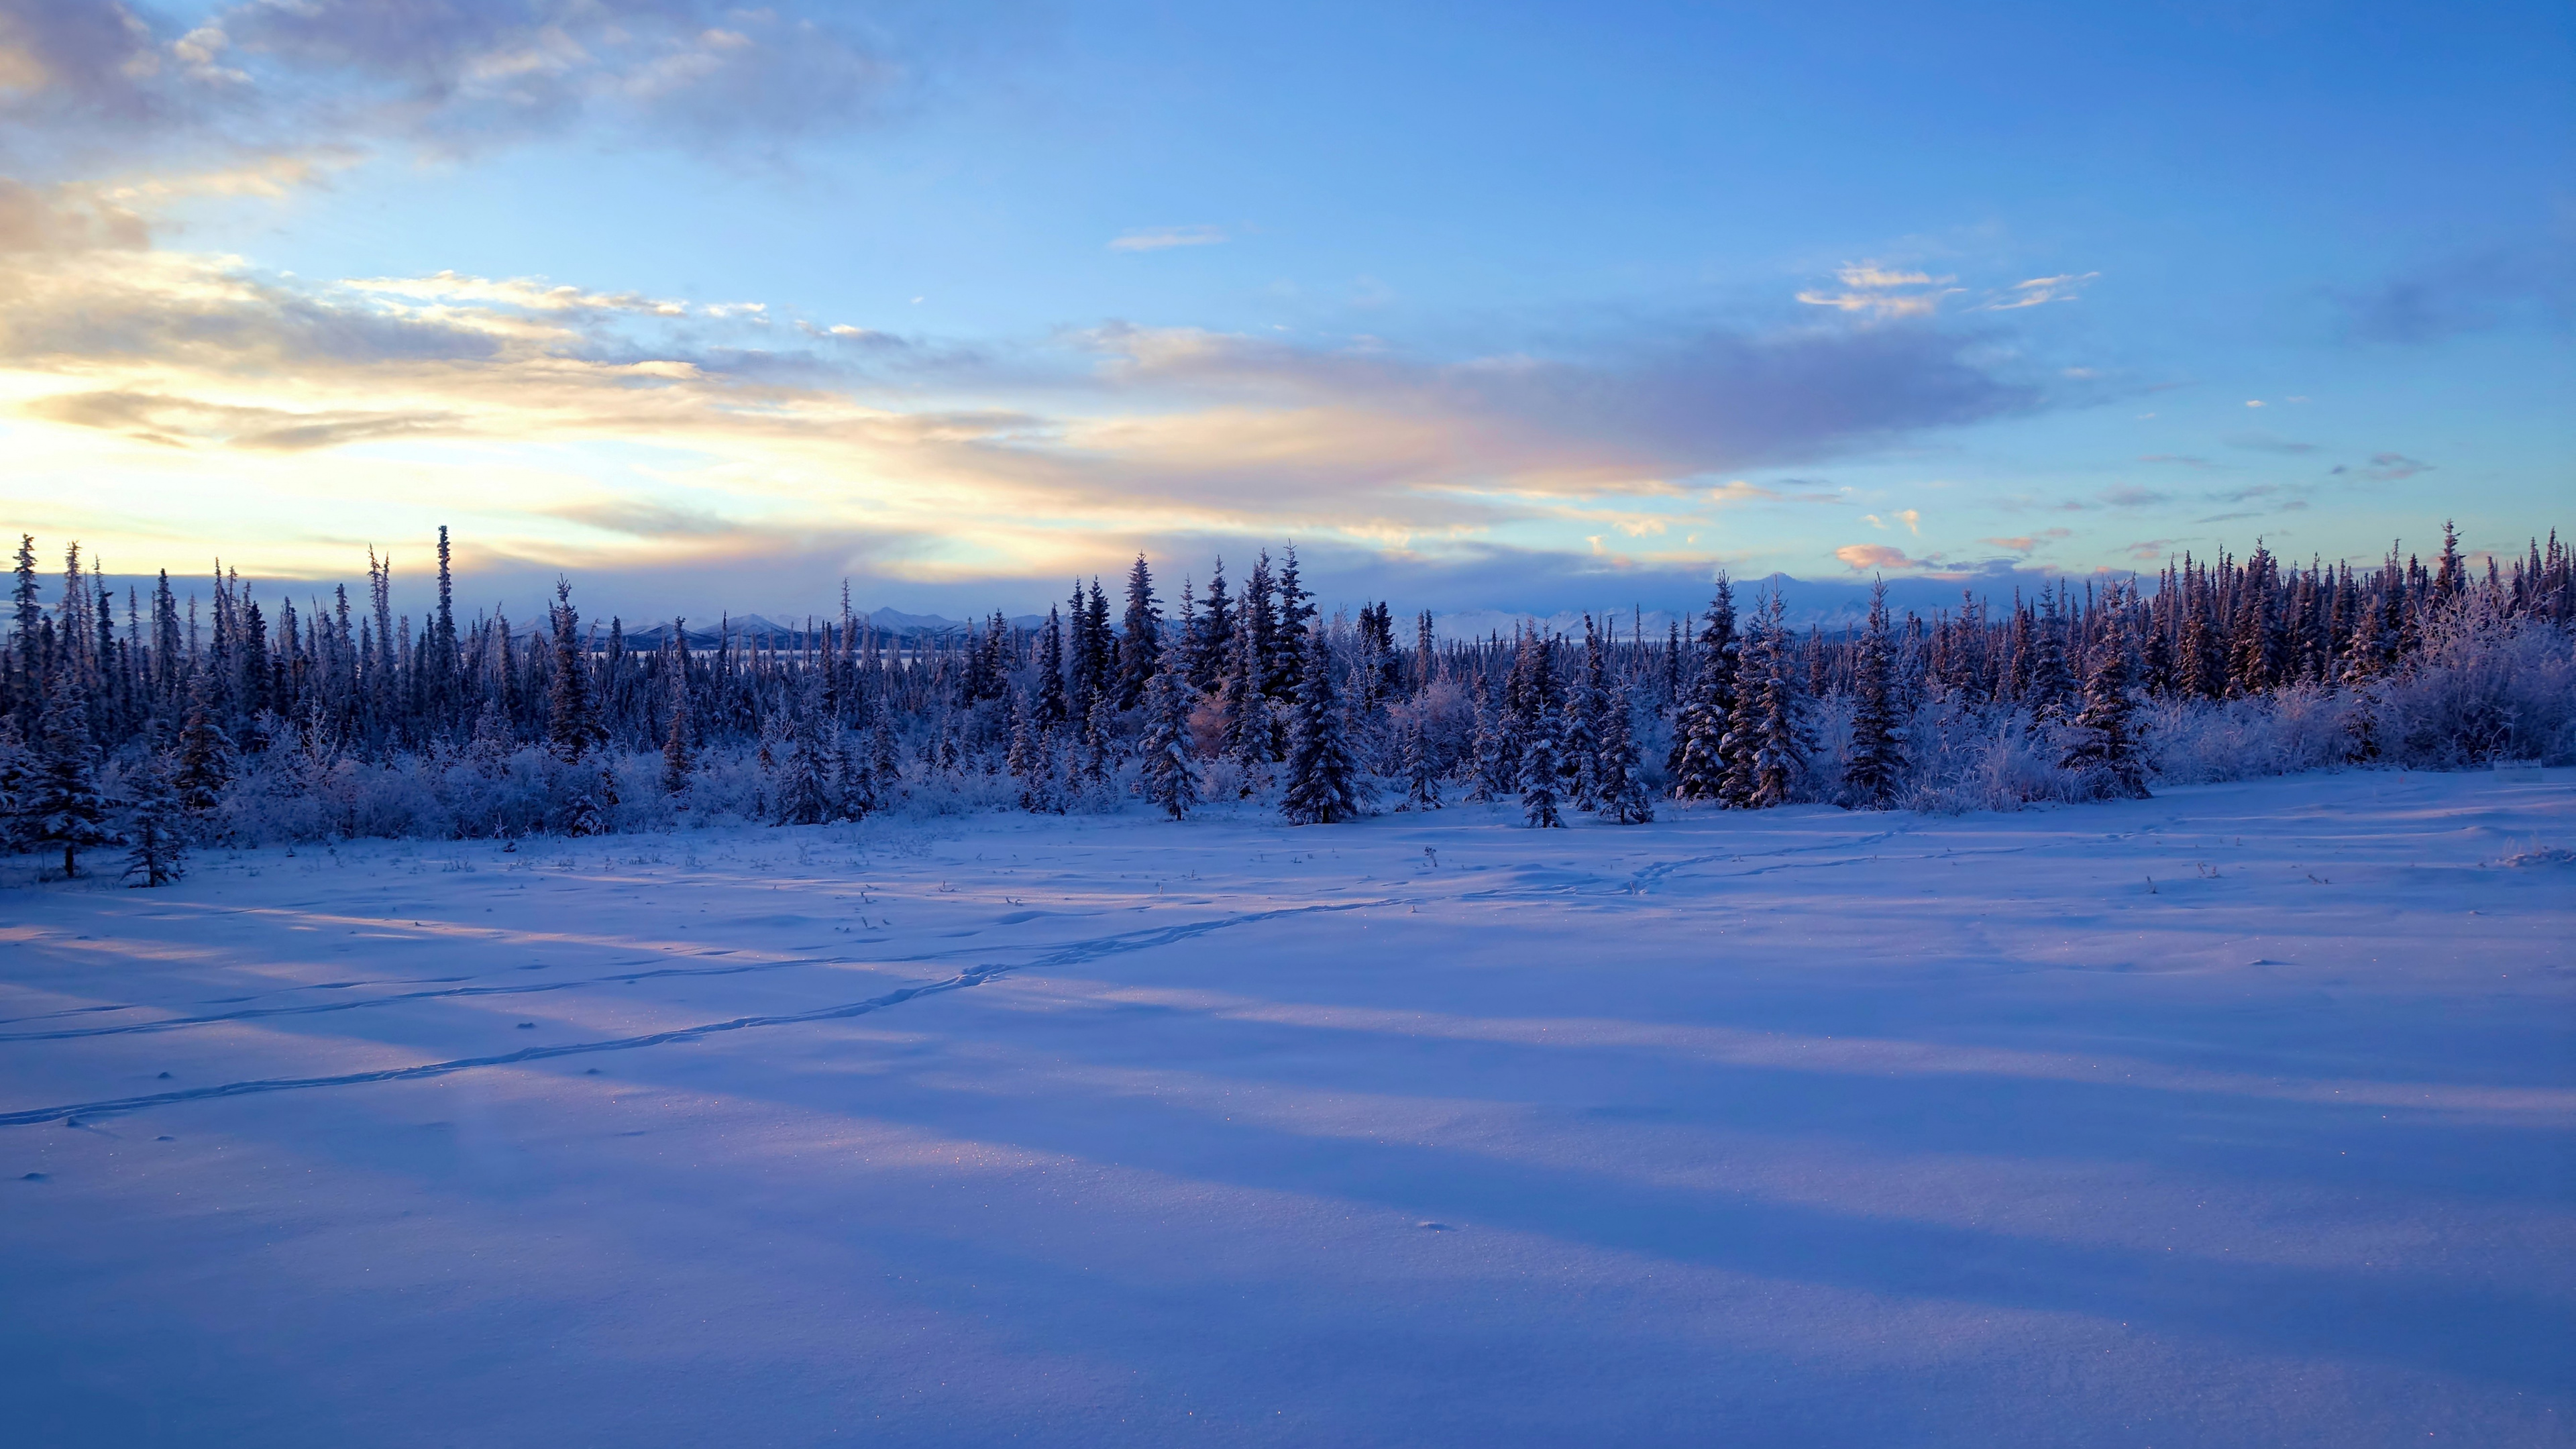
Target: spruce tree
(1488,781)
(1140,650)
(1421,770)
(2102,745)
(1877,745)
(677,766)
(1168,773)
(17,782)
(1621,783)
(153,826)
(1697,764)
(854,786)
(1780,741)
(205,751)
(1321,788)
(65,807)
(1050,710)
(803,791)
(1214,636)
(1540,716)
(1100,742)
(572,724)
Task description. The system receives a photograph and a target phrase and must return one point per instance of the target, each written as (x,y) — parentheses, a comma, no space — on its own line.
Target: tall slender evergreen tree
(1877,758)
(1322,787)
(1169,774)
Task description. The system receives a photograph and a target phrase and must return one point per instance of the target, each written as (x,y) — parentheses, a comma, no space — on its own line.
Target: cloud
(2388,467)
(1871,290)
(526,293)
(2454,296)
(65,219)
(1865,557)
(96,77)
(2259,442)
(2029,543)
(186,422)
(1641,410)
(2131,496)
(526,392)
(2039,291)
(1157,239)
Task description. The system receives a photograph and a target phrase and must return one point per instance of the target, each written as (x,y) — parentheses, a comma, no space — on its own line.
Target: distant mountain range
(1810,603)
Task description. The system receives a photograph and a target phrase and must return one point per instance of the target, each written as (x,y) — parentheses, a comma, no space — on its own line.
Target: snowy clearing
(2243,1115)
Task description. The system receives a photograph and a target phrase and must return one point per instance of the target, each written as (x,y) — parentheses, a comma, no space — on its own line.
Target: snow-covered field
(2241,1116)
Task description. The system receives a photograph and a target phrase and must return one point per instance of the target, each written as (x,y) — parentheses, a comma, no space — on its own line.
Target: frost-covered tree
(1877,759)
(154,827)
(17,779)
(802,795)
(572,724)
(1168,773)
(1541,715)
(1621,778)
(65,808)
(1775,729)
(2101,744)
(1421,768)
(1697,764)
(1321,786)
(205,750)
(1140,645)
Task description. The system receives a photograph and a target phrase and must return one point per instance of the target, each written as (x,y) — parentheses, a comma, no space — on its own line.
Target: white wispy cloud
(2039,291)
(1872,290)
(1161,238)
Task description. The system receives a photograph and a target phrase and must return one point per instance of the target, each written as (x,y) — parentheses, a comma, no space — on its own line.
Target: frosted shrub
(2202,742)
(2480,687)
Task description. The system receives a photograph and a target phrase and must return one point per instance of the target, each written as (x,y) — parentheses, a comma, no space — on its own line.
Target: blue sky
(1519,307)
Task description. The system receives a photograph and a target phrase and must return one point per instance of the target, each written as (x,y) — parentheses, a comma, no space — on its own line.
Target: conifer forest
(202,713)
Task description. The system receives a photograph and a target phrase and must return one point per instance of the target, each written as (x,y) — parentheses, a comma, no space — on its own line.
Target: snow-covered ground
(2241,1116)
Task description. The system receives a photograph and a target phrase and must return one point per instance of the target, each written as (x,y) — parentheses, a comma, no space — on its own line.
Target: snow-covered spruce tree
(1579,745)
(1697,765)
(1421,768)
(1100,742)
(154,828)
(854,782)
(2048,685)
(205,751)
(1542,759)
(885,763)
(1780,742)
(2101,745)
(802,795)
(1049,711)
(1624,797)
(1140,645)
(572,724)
(65,807)
(1168,773)
(17,777)
(678,768)
(1321,787)
(1485,780)
(1877,759)
(1249,731)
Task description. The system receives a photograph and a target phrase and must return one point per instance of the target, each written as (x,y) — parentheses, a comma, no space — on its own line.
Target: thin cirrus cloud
(2385,468)
(1164,238)
(84,75)
(1870,290)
